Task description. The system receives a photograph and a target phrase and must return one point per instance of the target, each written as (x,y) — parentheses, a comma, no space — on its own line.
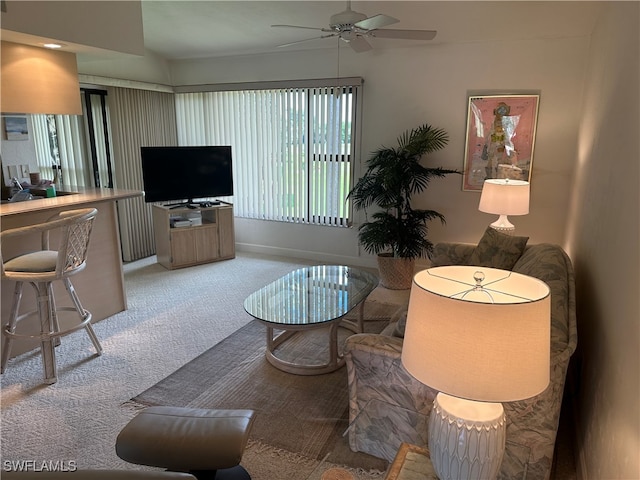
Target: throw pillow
(498,250)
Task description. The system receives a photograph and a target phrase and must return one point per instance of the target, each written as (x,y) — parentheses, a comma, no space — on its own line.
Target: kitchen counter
(71,197)
(101,285)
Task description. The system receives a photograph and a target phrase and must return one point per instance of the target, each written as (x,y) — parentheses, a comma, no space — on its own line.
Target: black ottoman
(205,443)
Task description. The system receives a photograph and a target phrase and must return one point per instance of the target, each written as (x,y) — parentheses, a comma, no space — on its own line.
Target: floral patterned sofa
(387,406)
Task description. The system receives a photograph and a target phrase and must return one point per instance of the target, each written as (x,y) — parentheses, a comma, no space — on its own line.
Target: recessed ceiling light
(53,45)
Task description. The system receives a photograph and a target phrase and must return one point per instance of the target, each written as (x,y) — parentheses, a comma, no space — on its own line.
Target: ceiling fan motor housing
(345,20)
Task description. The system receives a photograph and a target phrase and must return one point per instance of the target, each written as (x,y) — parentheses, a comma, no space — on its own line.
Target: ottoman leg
(234,473)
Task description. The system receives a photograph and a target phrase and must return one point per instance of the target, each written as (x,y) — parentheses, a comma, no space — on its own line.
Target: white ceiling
(177,29)
(182,29)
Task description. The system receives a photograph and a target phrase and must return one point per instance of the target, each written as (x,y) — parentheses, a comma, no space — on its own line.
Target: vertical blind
(293,148)
(138,118)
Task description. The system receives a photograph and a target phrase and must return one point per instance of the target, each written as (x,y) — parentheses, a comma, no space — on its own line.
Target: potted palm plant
(397,232)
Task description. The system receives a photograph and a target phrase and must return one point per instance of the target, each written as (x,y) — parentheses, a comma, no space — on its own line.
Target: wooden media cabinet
(192,236)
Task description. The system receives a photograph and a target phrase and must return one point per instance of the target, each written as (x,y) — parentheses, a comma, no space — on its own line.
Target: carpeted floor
(173,317)
(305,415)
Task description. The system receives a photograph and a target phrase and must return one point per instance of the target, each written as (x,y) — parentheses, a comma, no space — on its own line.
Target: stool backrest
(75,228)
(73,244)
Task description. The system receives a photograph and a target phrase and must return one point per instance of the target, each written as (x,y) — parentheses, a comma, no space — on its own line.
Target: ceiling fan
(353,28)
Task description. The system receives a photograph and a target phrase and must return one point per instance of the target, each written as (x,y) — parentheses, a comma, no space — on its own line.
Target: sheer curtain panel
(60,140)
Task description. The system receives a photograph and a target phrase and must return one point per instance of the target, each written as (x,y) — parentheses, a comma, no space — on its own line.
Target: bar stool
(41,269)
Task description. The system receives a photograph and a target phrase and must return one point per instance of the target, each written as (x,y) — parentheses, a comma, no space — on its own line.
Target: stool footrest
(185,439)
(46,336)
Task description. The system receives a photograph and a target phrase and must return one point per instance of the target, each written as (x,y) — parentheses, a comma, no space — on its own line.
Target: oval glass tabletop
(311,295)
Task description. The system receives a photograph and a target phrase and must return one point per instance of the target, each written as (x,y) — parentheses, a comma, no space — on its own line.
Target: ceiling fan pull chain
(338,69)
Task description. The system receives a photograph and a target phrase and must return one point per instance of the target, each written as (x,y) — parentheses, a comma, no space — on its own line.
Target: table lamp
(480,336)
(503,197)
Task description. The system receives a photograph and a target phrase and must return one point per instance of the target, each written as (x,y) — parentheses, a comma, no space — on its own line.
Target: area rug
(305,415)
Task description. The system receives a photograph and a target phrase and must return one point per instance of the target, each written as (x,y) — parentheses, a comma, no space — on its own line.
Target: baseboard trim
(369,262)
(356,261)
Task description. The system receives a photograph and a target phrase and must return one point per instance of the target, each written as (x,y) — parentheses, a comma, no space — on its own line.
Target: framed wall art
(501,131)
(15,127)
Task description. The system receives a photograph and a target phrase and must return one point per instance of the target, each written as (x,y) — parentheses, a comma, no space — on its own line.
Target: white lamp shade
(459,343)
(505,197)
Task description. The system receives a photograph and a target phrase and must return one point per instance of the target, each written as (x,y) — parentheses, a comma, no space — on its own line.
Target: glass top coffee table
(308,298)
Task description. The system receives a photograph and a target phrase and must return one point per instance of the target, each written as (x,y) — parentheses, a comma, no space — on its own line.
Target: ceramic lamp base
(503,225)
(466,438)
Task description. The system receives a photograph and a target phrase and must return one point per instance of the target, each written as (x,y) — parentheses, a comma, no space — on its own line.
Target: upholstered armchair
(387,406)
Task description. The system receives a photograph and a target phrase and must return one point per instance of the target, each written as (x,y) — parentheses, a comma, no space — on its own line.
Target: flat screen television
(186,173)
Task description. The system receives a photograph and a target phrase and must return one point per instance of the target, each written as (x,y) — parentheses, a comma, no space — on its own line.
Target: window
(293,147)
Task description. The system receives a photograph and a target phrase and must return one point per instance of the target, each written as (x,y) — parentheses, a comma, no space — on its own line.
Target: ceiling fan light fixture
(348,35)
(357,43)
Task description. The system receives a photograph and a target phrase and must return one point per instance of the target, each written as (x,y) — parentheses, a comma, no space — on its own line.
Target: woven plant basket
(395,273)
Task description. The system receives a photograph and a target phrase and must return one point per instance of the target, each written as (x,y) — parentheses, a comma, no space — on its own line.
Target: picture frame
(16,127)
(500,138)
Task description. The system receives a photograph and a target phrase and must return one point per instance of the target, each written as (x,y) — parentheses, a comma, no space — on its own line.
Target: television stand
(191,234)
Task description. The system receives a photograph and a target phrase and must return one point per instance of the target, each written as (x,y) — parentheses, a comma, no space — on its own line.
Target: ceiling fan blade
(403,34)
(359,44)
(305,40)
(299,26)
(377,21)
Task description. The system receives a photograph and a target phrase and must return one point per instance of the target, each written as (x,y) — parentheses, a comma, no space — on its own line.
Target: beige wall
(603,241)
(405,87)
